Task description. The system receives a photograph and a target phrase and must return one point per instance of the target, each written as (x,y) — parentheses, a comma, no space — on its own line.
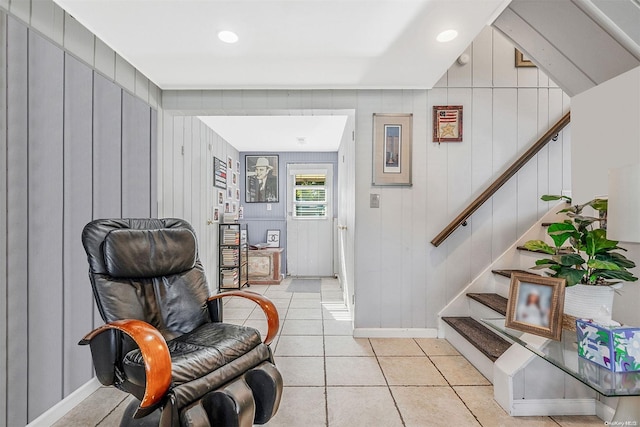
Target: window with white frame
(310,196)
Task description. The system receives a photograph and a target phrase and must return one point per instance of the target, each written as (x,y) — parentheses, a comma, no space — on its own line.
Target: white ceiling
(279,133)
(294,44)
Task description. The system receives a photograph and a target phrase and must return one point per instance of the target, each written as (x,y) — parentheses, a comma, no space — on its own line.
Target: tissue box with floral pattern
(616,348)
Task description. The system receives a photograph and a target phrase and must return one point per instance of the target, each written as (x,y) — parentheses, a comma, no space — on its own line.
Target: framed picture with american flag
(447,123)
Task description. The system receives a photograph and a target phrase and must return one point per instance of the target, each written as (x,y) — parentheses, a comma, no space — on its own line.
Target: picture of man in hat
(262,186)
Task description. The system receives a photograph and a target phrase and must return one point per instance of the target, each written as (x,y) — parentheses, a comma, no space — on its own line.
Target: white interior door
(310,219)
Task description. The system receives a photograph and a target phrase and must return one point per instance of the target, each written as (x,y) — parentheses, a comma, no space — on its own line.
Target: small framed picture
(447,123)
(234,178)
(216,214)
(522,61)
(237,194)
(234,207)
(536,305)
(219,173)
(229,193)
(227,207)
(392,139)
(273,238)
(238,166)
(220,198)
(229,164)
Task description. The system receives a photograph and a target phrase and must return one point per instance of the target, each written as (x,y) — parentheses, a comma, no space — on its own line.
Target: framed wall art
(522,61)
(273,238)
(536,305)
(447,123)
(392,139)
(219,173)
(261,178)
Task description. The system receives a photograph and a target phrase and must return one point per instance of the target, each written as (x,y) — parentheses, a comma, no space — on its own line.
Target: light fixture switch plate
(374,200)
(268,206)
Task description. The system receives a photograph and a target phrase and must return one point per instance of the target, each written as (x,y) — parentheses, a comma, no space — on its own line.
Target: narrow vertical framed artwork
(447,123)
(392,139)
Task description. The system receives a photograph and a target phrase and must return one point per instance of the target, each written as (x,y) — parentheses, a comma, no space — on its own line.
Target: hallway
(332,379)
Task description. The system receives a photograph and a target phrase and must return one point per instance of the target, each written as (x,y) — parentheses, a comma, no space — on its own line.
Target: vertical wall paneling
(136,157)
(437,180)
(63,162)
(481,174)
(3,221)
(45,190)
(78,208)
(187,152)
(17,225)
(543,155)
(527,176)
(177,157)
(154,170)
(107,148)
(459,186)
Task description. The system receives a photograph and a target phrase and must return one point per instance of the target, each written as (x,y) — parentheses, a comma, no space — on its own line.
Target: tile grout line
(395,403)
(324,363)
(451,386)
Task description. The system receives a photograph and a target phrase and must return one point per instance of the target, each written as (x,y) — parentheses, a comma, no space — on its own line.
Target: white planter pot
(591,302)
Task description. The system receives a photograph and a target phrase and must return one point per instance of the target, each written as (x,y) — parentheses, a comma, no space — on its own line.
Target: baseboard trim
(60,409)
(395,333)
(547,407)
(604,412)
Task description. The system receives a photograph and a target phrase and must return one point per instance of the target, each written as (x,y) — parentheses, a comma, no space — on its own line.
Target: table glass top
(564,355)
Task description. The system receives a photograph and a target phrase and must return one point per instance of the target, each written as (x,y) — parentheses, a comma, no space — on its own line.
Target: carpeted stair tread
(495,302)
(490,344)
(508,273)
(563,251)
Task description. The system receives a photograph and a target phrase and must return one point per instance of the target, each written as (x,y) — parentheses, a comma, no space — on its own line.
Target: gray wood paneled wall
(75,146)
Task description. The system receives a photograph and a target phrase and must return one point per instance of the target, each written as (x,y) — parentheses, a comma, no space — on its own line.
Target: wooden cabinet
(265,266)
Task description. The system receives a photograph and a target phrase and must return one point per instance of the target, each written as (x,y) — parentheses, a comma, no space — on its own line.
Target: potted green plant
(582,255)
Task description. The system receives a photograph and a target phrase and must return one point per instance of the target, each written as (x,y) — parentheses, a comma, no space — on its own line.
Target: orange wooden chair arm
(155,353)
(270,310)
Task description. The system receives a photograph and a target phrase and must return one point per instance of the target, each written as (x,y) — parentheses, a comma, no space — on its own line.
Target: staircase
(486,297)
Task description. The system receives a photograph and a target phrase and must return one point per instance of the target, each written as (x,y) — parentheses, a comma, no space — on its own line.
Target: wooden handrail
(501,180)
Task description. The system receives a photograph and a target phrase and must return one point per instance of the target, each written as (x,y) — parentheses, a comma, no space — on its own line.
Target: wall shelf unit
(233,255)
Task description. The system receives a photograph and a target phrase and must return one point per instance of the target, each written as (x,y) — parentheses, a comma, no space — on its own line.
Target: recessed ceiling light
(228,36)
(447,36)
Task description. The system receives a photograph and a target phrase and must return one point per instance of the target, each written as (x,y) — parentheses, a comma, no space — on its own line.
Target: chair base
(252,398)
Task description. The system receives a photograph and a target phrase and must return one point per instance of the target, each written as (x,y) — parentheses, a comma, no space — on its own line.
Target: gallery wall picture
(219,173)
(392,139)
(273,238)
(261,179)
(536,305)
(447,123)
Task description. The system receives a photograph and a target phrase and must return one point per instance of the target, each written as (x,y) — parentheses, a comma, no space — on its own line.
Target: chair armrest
(155,353)
(270,310)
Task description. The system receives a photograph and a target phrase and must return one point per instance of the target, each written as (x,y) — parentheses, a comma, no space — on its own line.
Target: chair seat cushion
(198,353)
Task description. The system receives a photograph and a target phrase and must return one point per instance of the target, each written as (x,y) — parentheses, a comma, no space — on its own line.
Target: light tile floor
(332,379)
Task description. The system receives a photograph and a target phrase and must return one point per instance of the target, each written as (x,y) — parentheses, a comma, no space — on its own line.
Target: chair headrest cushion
(132,253)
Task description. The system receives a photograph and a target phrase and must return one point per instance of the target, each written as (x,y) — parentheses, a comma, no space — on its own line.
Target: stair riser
(480,311)
(481,362)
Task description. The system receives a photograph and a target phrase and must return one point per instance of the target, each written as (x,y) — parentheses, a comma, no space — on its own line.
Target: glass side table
(564,355)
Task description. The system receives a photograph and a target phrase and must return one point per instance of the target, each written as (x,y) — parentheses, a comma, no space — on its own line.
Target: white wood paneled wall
(401,280)
(185,177)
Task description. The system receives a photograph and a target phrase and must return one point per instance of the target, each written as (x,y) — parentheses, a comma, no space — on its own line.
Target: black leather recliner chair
(164,341)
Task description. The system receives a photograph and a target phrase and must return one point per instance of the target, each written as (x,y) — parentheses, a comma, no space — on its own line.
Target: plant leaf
(599,204)
(553,197)
(540,246)
(571,275)
(618,274)
(569,260)
(602,265)
(560,232)
(597,242)
(616,258)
